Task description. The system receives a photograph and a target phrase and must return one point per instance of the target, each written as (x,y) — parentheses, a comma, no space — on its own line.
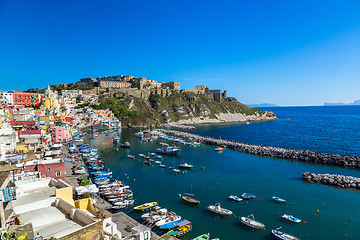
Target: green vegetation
(60,87)
(85,182)
(119,110)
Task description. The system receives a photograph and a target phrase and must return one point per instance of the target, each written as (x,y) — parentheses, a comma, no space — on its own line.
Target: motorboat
(247,196)
(203,237)
(172,218)
(219,210)
(124,203)
(158,211)
(162,166)
(291,218)
(277,199)
(185,165)
(171,225)
(281,235)
(182,229)
(145,206)
(168,150)
(235,198)
(131,156)
(125,145)
(157,162)
(142,155)
(219,149)
(139,134)
(188,198)
(251,222)
(176,170)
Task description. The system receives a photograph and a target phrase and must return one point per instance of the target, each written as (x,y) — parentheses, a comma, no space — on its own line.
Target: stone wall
(335,180)
(91,232)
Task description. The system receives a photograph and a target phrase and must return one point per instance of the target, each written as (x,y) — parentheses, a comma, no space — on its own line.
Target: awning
(86,189)
(8,168)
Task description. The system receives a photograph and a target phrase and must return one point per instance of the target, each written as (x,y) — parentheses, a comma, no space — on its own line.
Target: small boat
(139,134)
(203,237)
(235,198)
(185,165)
(141,155)
(251,222)
(176,170)
(125,145)
(219,210)
(145,206)
(182,229)
(280,235)
(168,150)
(188,198)
(162,166)
(168,219)
(291,218)
(157,162)
(277,199)
(151,160)
(247,196)
(219,149)
(158,156)
(152,154)
(170,225)
(131,156)
(116,139)
(147,162)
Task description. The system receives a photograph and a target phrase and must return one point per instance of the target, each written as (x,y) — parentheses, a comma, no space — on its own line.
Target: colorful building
(27,99)
(53,168)
(60,134)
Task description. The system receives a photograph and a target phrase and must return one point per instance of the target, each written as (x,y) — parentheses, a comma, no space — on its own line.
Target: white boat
(158,211)
(185,165)
(219,210)
(142,155)
(139,134)
(291,218)
(157,162)
(125,203)
(251,222)
(235,198)
(280,235)
(167,220)
(176,170)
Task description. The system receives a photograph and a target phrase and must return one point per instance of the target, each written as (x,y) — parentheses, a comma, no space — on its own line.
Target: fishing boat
(291,218)
(145,206)
(131,156)
(281,235)
(235,198)
(219,149)
(219,210)
(168,150)
(185,165)
(182,229)
(247,196)
(277,199)
(188,198)
(125,145)
(251,222)
(203,237)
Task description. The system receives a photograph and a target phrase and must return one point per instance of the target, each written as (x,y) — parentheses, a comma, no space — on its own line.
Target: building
(171,85)
(114,84)
(27,99)
(8,97)
(71,93)
(202,88)
(50,99)
(53,168)
(60,135)
(104,114)
(8,139)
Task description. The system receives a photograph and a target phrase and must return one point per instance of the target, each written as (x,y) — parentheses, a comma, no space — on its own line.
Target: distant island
(260,105)
(357,102)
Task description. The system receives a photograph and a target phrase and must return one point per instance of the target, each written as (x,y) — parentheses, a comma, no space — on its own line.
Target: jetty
(268,151)
(335,180)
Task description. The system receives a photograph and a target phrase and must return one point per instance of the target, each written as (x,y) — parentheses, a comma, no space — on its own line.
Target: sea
(326,212)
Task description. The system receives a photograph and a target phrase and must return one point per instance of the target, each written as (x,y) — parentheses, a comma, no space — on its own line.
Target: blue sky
(284,52)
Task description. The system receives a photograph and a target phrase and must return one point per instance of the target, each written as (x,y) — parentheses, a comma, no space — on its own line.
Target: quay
(268,151)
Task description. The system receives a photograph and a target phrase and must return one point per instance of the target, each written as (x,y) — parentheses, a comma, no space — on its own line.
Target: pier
(268,151)
(335,180)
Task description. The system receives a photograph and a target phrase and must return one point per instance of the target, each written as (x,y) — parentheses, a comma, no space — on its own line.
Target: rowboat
(291,218)
(182,229)
(277,199)
(219,210)
(203,237)
(145,206)
(247,196)
(235,198)
(189,198)
(280,235)
(251,222)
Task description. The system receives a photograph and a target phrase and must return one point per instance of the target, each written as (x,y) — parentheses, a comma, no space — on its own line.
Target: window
(49,169)
(58,173)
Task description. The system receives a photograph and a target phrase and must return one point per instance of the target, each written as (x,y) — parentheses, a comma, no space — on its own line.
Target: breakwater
(268,151)
(333,180)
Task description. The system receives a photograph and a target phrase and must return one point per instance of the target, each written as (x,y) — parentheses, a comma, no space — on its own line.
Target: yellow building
(50,101)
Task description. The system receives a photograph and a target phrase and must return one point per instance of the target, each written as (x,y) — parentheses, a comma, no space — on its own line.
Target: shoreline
(268,151)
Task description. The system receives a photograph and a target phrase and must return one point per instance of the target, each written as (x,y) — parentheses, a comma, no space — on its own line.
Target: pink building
(54,168)
(60,134)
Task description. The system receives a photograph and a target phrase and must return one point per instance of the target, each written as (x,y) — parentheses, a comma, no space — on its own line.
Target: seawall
(335,180)
(268,151)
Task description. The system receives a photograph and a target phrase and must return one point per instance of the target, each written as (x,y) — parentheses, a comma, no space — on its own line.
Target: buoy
(293,204)
(345,235)
(345,224)
(323,204)
(350,220)
(134,179)
(317,210)
(258,198)
(304,222)
(287,206)
(247,202)
(314,214)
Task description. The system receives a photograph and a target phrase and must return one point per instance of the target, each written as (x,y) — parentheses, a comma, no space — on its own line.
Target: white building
(8,97)
(8,139)
(71,93)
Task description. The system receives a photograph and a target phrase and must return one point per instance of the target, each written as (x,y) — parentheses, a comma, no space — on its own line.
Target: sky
(289,53)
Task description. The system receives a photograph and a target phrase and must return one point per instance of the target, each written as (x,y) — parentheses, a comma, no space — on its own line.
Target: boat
(131,156)
(142,155)
(281,235)
(116,139)
(219,149)
(170,225)
(251,222)
(168,219)
(157,162)
(185,165)
(145,206)
(162,166)
(235,198)
(247,196)
(219,210)
(176,170)
(203,237)
(277,199)
(139,134)
(158,156)
(125,145)
(168,150)
(291,218)
(147,162)
(188,198)
(183,228)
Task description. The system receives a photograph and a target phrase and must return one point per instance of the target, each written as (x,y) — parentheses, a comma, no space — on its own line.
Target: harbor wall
(335,180)
(268,151)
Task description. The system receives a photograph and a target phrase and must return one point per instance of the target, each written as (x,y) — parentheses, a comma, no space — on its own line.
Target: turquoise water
(230,172)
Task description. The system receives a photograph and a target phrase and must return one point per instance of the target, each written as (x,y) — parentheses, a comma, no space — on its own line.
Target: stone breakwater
(261,150)
(332,180)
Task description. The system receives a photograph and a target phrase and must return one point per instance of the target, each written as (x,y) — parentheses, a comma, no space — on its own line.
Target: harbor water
(326,212)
